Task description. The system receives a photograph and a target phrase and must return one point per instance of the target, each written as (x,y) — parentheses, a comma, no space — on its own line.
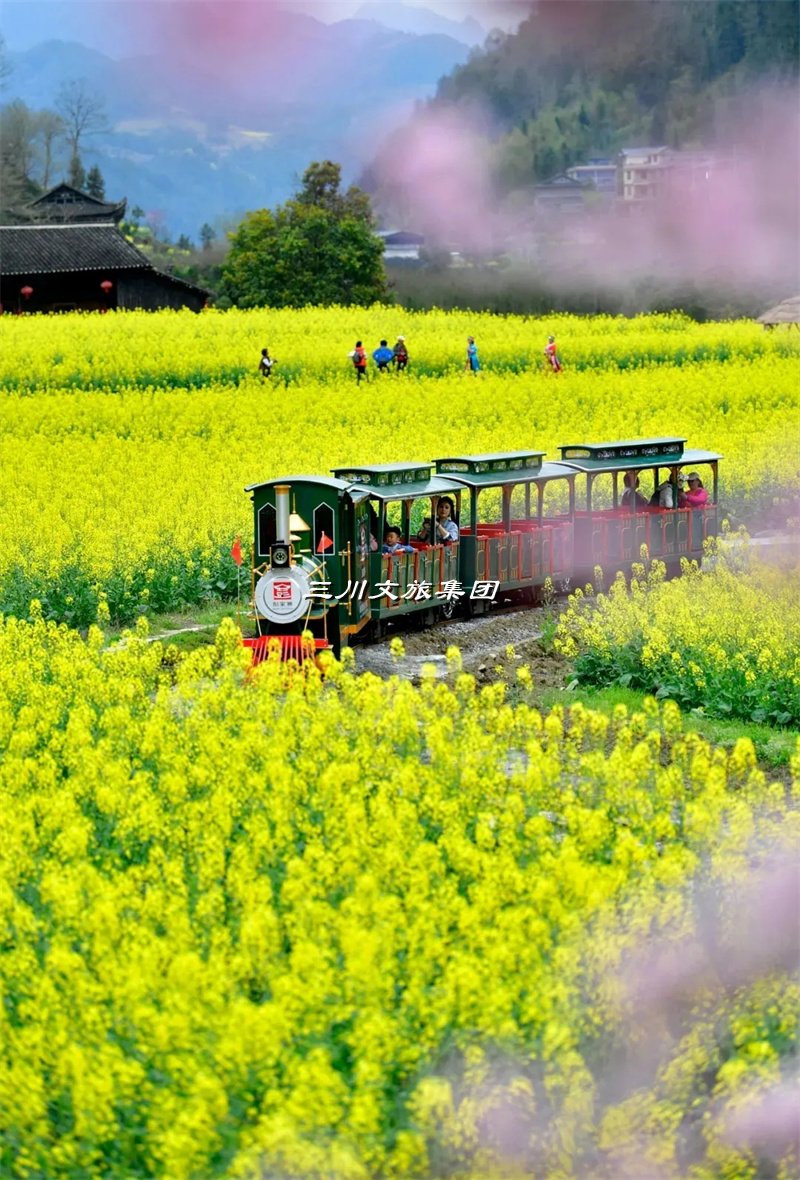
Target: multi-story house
(642,172)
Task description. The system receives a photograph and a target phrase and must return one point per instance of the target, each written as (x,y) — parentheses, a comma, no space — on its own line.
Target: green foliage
(95,185)
(723,642)
(317,248)
(77,173)
(585,77)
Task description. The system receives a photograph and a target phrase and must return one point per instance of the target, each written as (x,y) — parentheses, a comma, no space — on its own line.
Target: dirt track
(482,643)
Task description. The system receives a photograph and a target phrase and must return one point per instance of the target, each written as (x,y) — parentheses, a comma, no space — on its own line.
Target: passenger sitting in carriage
(632,497)
(446,527)
(425,530)
(697,495)
(664,495)
(393,542)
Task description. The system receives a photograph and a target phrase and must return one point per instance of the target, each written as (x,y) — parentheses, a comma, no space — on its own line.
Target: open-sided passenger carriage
(608,536)
(513,543)
(317,561)
(401,494)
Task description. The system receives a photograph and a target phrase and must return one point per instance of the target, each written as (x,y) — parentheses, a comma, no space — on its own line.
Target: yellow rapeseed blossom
(727,640)
(291,925)
(126,439)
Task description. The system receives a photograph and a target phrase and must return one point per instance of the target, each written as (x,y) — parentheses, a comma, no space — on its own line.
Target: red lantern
(26,292)
(106,286)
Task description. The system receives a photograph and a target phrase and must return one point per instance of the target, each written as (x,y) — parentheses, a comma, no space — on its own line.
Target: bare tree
(49,132)
(83,113)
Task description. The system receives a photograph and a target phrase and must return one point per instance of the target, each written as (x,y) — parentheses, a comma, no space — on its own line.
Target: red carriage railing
(529,552)
(613,536)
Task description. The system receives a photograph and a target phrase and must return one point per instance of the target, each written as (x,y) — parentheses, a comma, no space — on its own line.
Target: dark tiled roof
(55,249)
(561,181)
(65,203)
(71,214)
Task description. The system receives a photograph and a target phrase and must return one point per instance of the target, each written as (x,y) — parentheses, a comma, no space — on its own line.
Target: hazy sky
(116,26)
(491,13)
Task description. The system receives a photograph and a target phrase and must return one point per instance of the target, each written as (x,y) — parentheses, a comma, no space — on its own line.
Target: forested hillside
(585,77)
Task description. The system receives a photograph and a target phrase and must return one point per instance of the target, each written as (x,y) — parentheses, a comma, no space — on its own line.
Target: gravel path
(482,642)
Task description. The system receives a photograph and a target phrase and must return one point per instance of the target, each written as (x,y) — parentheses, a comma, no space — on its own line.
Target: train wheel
(447,610)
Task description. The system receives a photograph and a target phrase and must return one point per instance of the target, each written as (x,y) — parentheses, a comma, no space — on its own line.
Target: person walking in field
(383,356)
(266,363)
(472,364)
(552,355)
(400,355)
(359,359)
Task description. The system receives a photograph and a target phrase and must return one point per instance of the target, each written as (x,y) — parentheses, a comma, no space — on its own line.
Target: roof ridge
(39,226)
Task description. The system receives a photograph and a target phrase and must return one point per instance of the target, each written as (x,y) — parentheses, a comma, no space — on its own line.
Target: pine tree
(207,235)
(95,185)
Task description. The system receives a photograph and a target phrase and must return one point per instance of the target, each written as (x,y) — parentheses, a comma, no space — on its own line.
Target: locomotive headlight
(280,556)
(283,595)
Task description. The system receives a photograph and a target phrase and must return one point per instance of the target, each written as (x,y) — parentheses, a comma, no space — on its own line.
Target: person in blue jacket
(473,364)
(383,357)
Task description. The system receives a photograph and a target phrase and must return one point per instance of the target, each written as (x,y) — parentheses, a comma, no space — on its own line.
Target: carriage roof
(633,454)
(501,467)
(396,481)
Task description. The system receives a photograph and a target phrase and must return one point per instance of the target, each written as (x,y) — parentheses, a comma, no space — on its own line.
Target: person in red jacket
(359,359)
(551,354)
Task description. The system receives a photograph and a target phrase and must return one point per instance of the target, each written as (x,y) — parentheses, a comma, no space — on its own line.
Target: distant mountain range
(209,122)
(421,21)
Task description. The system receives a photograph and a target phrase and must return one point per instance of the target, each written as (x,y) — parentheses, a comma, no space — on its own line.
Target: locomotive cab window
(267,529)
(324,532)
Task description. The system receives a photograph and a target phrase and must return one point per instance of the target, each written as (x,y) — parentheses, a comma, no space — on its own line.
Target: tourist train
(320,567)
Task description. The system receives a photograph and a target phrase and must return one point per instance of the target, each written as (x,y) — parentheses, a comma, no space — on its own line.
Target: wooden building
(65,205)
(69,267)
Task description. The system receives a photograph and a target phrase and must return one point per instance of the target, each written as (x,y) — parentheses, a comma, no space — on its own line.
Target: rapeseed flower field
(345,927)
(302,923)
(126,439)
(727,642)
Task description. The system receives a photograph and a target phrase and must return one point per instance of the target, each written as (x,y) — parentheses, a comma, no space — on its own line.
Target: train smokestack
(282,512)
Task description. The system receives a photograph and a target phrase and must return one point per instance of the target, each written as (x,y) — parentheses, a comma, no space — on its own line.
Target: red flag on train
(324,543)
(236,550)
